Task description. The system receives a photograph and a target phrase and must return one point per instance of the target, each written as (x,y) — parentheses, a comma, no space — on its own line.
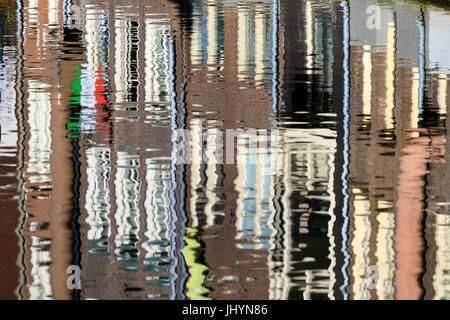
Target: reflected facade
(338,170)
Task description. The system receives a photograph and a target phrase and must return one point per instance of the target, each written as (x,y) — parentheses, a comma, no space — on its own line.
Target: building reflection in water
(349,173)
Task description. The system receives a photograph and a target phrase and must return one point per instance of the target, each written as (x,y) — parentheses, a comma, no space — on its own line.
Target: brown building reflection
(148,228)
(47,172)
(124,202)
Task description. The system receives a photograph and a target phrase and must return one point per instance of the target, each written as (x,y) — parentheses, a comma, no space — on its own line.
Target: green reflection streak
(74,123)
(197,271)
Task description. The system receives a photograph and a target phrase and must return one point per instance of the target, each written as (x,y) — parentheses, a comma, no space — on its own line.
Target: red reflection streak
(102,126)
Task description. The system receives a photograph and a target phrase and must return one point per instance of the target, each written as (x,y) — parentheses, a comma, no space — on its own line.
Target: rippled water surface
(114,113)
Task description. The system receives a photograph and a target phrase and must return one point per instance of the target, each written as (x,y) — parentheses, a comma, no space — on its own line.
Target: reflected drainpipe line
(74,224)
(346,65)
(184,220)
(421,26)
(173,254)
(20,149)
(275,12)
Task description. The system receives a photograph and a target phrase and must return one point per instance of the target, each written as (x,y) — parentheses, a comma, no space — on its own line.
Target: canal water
(222,149)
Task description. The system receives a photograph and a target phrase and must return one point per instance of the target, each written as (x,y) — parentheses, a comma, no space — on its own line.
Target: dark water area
(213,149)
